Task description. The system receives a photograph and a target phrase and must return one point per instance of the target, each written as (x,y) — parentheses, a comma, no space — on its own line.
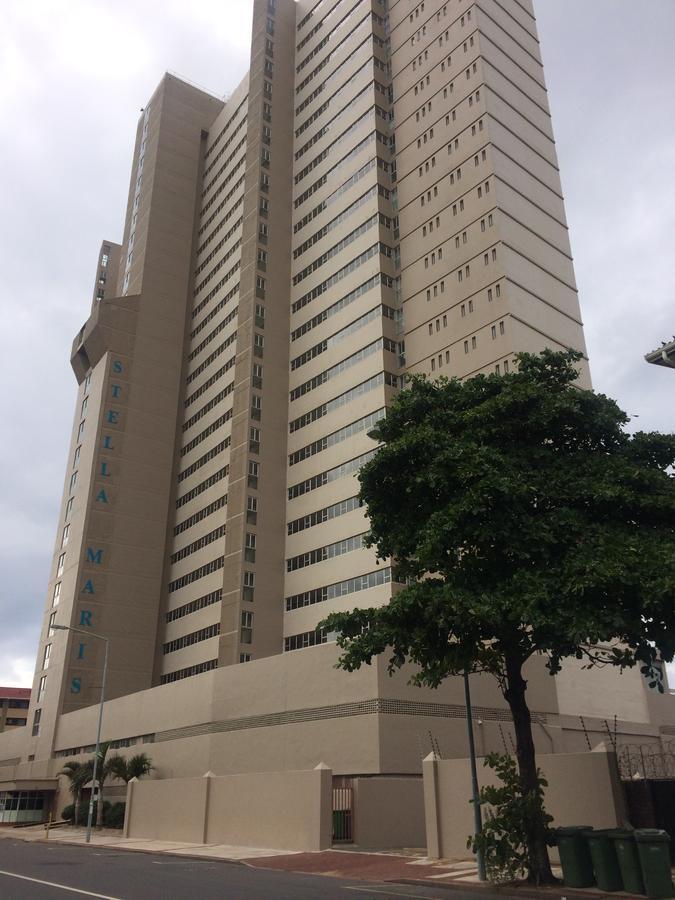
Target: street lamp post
(94,790)
(477,818)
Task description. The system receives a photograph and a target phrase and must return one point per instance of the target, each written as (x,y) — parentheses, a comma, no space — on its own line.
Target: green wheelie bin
(653,846)
(629,860)
(575,856)
(605,862)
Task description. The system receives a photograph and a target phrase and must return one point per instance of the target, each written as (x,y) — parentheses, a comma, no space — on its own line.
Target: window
(493,331)
(60,564)
(73,480)
(36,722)
(245,657)
(252,510)
(69,507)
(46,656)
(246,635)
(42,686)
(249,552)
(83,409)
(466,346)
(249,586)
(80,431)
(256,378)
(254,439)
(76,458)
(473,342)
(253,473)
(501,328)
(56,596)
(65,535)
(52,619)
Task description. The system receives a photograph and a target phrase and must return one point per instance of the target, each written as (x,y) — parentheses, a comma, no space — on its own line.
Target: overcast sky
(73,77)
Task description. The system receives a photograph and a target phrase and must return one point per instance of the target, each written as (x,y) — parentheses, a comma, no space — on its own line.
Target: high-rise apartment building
(379,196)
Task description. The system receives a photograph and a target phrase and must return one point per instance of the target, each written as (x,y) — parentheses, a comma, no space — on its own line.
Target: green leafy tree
(525,522)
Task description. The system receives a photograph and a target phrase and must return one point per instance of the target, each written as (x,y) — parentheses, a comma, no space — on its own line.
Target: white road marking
(63,887)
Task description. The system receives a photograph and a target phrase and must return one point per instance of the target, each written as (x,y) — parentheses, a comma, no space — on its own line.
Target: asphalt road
(41,871)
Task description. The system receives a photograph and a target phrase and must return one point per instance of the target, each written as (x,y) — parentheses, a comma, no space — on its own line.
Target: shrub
(114,817)
(509,817)
(68,812)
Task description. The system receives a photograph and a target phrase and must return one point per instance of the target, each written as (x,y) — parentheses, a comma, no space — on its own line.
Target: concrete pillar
(431,811)
(209,776)
(324,810)
(127,810)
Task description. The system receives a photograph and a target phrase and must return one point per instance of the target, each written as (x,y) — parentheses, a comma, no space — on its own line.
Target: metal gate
(343,810)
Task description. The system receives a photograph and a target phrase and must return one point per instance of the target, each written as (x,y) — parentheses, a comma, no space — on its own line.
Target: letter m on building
(94,556)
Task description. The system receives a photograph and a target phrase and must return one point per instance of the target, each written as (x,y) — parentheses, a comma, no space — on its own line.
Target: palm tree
(114,766)
(125,769)
(78,776)
(102,772)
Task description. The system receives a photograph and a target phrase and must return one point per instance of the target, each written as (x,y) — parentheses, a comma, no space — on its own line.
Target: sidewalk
(401,867)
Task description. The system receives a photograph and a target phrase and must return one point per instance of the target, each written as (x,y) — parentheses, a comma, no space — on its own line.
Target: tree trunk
(77,808)
(535,835)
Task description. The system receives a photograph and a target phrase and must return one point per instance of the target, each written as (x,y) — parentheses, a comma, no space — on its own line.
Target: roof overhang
(664,356)
(30,784)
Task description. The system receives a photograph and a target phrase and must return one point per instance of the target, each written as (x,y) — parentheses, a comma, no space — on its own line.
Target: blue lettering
(101,496)
(117,366)
(80,652)
(95,557)
(85,617)
(104,470)
(112,416)
(116,390)
(107,442)
(88,587)
(76,686)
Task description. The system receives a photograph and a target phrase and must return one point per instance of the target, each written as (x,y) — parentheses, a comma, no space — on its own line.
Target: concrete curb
(508,891)
(221,859)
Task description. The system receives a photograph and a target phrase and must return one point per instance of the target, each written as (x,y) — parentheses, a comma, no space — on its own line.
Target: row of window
(334,146)
(321,554)
(204,541)
(323,130)
(214,334)
(364,68)
(189,671)
(201,572)
(200,515)
(194,606)
(343,366)
(214,426)
(223,281)
(221,206)
(339,589)
(339,219)
(306,639)
(350,467)
(195,637)
(203,486)
(343,399)
(198,463)
(336,338)
(337,276)
(190,399)
(225,238)
(337,193)
(348,239)
(342,163)
(227,163)
(214,401)
(320,516)
(214,271)
(345,301)
(221,348)
(336,437)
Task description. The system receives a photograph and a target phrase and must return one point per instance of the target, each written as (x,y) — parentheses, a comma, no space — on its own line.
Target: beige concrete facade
(582,788)
(380,195)
(281,810)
